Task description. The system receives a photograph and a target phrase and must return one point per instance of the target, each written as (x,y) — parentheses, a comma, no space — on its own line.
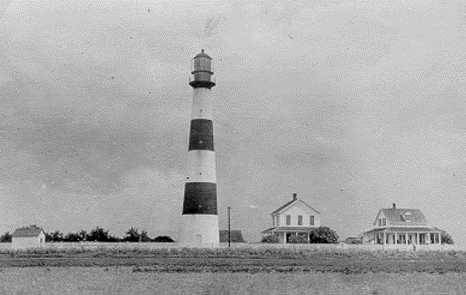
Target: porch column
(406,238)
(396,238)
(284,237)
(417,239)
(440,238)
(384,238)
(308,238)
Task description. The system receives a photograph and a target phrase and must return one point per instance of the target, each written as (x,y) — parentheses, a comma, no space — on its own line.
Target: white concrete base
(199,231)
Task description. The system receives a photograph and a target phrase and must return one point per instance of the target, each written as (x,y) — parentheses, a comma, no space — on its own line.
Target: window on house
(300,220)
(380,222)
(311,220)
(278,221)
(288,219)
(384,221)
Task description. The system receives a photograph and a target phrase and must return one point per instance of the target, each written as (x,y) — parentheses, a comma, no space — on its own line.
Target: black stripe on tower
(201,135)
(200,198)
(202,83)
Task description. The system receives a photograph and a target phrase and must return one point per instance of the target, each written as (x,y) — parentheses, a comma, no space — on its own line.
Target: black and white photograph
(232,147)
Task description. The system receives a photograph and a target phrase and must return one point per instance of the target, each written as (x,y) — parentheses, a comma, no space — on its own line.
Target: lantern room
(202,71)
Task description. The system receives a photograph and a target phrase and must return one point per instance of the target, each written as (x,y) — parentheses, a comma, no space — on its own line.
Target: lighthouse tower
(200,220)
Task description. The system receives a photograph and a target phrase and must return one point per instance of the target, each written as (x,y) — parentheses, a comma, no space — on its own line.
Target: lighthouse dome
(202,55)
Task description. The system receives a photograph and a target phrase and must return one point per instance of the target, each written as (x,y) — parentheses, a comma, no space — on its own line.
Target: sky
(353,105)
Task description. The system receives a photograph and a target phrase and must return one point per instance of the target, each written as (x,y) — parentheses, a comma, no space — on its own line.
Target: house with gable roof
(394,226)
(28,237)
(294,218)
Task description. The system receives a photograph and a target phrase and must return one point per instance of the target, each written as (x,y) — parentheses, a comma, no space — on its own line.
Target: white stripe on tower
(200,220)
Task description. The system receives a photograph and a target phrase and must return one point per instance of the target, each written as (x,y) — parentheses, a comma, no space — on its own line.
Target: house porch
(284,235)
(404,236)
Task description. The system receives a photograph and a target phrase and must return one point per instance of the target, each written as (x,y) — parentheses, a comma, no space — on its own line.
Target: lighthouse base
(200,230)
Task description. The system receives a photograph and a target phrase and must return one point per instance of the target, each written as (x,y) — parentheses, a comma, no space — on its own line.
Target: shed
(28,237)
(235,236)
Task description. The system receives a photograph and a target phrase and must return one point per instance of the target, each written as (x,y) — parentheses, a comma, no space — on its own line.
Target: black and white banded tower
(200,220)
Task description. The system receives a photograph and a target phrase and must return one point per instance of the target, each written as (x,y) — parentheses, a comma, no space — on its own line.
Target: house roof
(27,232)
(290,203)
(289,228)
(403,216)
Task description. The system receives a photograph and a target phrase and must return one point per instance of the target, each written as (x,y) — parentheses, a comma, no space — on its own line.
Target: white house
(28,237)
(295,218)
(401,227)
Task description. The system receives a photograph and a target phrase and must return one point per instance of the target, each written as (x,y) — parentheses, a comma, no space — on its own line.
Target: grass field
(122,280)
(243,259)
(239,270)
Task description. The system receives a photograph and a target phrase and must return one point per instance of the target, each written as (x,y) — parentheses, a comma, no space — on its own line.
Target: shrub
(323,235)
(5,238)
(271,239)
(163,239)
(297,240)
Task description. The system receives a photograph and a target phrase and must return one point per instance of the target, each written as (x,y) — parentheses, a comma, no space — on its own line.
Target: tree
(323,235)
(270,239)
(98,234)
(132,235)
(83,235)
(56,236)
(49,237)
(144,237)
(112,238)
(163,239)
(446,237)
(6,238)
(72,237)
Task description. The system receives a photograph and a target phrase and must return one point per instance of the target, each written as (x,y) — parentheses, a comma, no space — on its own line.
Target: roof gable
(403,216)
(27,232)
(293,203)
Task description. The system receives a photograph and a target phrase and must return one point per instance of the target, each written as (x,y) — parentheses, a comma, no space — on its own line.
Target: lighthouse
(199,225)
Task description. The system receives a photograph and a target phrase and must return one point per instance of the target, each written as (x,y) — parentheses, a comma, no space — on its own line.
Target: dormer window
(407,216)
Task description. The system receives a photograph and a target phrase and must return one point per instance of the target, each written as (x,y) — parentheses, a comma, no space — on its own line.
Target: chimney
(394,205)
(295,196)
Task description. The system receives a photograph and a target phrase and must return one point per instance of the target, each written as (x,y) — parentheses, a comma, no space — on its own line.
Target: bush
(271,239)
(297,240)
(323,235)
(446,237)
(6,238)
(163,239)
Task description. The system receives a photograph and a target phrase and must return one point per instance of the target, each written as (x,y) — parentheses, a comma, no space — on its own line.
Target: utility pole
(229,229)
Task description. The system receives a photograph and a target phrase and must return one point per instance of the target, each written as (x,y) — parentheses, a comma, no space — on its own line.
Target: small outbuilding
(28,237)
(235,236)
